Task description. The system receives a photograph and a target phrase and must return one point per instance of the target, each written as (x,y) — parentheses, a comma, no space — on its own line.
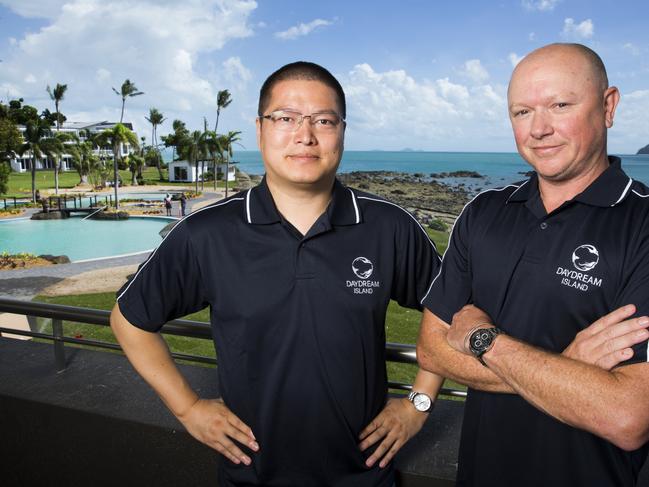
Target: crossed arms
(580,387)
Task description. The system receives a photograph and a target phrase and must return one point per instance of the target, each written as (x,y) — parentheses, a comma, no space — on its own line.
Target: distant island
(644,150)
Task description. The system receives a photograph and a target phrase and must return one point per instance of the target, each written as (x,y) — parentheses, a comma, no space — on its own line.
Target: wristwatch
(481,341)
(422,402)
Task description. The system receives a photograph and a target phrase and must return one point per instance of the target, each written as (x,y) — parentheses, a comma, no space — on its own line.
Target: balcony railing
(395,352)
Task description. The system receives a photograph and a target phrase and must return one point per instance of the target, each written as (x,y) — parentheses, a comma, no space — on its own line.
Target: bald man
(552,401)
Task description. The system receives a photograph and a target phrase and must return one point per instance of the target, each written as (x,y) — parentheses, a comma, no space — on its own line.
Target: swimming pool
(81,239)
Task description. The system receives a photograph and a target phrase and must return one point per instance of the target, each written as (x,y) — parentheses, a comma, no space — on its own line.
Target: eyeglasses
(289,121)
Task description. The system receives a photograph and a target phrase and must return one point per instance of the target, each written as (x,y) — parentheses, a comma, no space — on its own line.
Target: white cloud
(8,90)
(540,5)
(475,71)
(583,30)
(235,71)
(302,29)
(391,109)
(632,48)
(514,59)
(94,45)
(46,9)
(532,36)
(631,128)
(102,74)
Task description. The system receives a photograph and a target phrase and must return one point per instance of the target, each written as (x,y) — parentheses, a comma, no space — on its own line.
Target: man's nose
(541,125)
(304,133)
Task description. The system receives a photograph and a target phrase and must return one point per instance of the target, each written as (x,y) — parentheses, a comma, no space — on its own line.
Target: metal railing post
(59,345)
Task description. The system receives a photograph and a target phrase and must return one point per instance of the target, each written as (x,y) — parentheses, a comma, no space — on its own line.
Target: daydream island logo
(585,257)
(362,267)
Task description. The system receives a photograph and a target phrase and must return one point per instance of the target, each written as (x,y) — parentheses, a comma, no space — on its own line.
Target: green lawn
(20,184)
(402,326)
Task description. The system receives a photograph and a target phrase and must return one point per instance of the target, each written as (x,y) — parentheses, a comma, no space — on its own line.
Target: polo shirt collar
(609,189)
(344,208)
(260,209)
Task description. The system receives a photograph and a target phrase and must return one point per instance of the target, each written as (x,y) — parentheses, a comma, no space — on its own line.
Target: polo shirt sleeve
(418,262)
(451,287)
(635,290)
(167,286)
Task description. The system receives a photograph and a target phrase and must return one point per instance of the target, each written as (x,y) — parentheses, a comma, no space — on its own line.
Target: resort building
(183,171)
(80,129)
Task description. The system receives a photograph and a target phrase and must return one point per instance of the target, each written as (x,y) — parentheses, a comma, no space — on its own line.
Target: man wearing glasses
(298,273)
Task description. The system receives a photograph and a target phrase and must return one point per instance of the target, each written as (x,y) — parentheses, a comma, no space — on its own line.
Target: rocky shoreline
(426,198)
(423,195)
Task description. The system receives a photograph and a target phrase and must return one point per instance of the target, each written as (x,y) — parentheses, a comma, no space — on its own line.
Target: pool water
(81,239)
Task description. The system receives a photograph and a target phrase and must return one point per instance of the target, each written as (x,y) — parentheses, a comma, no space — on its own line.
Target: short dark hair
(300,70)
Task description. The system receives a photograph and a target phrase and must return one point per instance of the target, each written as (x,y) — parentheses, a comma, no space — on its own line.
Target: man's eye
(519,113)
(562,105)
(285,119)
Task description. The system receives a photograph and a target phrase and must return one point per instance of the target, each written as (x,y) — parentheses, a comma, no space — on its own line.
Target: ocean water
(498,168)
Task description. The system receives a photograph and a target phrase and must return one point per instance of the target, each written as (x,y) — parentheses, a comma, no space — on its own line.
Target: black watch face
(480,340)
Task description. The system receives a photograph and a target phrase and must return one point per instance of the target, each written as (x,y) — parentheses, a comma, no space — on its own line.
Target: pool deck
(24,284)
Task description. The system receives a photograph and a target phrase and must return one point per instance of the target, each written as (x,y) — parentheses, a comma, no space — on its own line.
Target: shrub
(437,224)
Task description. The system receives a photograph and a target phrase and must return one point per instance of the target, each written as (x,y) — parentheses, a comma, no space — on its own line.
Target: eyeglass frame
(301,117)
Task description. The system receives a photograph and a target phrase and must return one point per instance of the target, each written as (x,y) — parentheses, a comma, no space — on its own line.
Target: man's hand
(464,322)
(608,341)
(395,425)
(211,422)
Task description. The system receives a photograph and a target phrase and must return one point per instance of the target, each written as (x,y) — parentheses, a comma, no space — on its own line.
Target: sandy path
(97,281)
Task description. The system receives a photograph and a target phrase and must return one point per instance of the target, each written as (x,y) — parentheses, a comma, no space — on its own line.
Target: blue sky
(418,74)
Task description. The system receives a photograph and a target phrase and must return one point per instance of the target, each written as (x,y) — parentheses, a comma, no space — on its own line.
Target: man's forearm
(609,404)
(435,355)
(149,355)
(428,383)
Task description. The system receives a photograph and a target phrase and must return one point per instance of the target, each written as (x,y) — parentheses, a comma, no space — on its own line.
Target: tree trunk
(56,174)
(34,159)
(196,164)
(121,117)
(159,164)
(115,179)
(202,174)
(218,112)
(214,170)
(227,174)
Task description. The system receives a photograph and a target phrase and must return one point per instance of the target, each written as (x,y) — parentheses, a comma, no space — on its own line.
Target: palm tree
(215,150)
(57,94)
(83,158)
(174,140)
(194,146)
(227,141)
(135,164)
(37,133)
(155,118)
(223,99)
(115,137)
(128,90)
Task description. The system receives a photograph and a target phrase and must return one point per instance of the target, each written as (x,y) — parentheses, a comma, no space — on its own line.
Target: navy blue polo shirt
(542,278)
(298,322)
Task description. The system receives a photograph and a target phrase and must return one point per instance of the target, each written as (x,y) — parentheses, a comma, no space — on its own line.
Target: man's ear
(611,100)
